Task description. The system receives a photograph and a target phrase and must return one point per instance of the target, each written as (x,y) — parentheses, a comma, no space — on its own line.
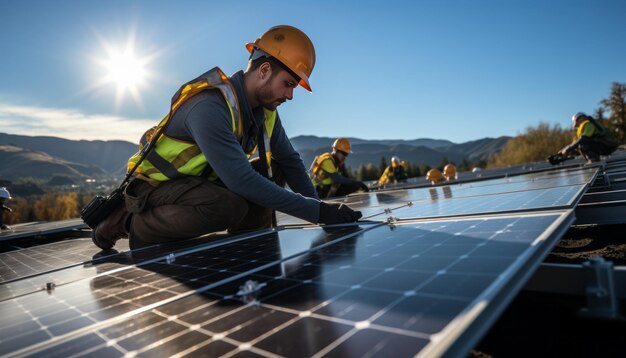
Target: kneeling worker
(198,179)
(592,139)
(4,196)
(328,172)
(393,174)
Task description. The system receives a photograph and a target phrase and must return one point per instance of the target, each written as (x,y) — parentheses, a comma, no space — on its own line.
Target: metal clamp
(602,300)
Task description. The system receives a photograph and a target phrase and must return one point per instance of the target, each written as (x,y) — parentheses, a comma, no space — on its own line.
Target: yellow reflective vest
(586,128)
(391,173)
(173,158)
(318,174)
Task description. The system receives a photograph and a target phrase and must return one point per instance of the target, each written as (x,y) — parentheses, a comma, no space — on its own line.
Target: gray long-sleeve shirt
(205,119)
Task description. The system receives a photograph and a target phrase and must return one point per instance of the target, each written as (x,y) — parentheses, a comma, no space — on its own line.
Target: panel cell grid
(341,296)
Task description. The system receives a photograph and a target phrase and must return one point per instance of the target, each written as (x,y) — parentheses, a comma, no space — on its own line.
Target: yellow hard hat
(434,175)
(291,47)
(449,171)
(342,144)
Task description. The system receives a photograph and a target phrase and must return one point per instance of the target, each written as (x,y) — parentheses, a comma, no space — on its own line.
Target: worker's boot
(112,228)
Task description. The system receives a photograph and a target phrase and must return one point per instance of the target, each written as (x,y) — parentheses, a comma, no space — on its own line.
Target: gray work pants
(188,207)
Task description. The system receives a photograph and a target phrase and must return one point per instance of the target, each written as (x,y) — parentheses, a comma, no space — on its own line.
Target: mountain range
(45,157)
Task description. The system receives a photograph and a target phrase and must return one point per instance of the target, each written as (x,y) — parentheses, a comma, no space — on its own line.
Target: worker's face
(275,88)
(341,156)
(578,122)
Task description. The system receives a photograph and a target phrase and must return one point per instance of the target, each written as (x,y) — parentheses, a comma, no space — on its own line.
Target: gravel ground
(581,243)
(549,325)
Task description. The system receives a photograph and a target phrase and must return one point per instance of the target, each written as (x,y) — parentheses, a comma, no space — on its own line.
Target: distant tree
(616,106)
(347,171)
(599,115)
(383,165)
(464,166)
(537,144)
(481,164)
(367,172)
(56,207)
(445,161)
(412,170)
(22,211)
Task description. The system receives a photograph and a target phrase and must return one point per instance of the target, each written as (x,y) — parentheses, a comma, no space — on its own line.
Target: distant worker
(393,174)
(449,172)
(434,176)
(329,175)
(592,139)
(4,196)
(199,178)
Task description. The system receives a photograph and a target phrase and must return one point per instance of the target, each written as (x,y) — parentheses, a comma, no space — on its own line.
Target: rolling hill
(45,157)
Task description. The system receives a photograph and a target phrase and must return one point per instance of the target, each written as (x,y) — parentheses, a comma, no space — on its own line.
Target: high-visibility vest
(173,158)
(582,128)
(319,176)
(391,173)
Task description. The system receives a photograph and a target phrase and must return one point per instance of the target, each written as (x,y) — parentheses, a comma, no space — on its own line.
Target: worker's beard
(266,97)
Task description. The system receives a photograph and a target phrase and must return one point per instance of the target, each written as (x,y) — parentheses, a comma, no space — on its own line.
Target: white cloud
(70,124)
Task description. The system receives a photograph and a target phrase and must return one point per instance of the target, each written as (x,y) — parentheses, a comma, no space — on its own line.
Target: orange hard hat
(434,175)
(449,171)
(342,144)
(291,47)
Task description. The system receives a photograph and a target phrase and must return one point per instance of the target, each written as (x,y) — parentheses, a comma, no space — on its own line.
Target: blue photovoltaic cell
(49,257)
(369,290)
(525,200)
(538,187)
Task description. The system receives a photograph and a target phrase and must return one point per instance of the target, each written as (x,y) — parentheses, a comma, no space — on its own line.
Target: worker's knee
(228,211)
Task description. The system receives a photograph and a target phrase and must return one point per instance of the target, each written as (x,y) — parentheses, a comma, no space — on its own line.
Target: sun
(123,69)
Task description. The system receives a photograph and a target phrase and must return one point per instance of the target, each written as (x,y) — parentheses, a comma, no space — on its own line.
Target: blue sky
(456,70)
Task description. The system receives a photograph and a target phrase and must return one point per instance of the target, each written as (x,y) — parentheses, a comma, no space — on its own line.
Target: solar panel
(522,173)
(353,290)
(551,198)
(41,228)
(545,189)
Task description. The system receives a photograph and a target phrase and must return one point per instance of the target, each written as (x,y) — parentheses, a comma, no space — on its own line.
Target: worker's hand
(364,187)
(336,213)
(10,210)
(565,151)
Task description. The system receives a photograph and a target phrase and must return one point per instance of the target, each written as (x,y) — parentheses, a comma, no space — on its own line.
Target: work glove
(336,213)
(364,187)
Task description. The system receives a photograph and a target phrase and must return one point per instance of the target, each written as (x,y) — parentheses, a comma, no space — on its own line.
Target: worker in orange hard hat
(449,172)
(329,175)
(394,173)
(200,172)
(434,176)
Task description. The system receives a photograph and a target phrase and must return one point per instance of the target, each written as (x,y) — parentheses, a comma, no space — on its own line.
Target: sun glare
(124,70)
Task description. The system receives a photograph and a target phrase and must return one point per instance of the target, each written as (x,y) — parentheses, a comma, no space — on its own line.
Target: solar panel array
(40,228)
(424,277)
